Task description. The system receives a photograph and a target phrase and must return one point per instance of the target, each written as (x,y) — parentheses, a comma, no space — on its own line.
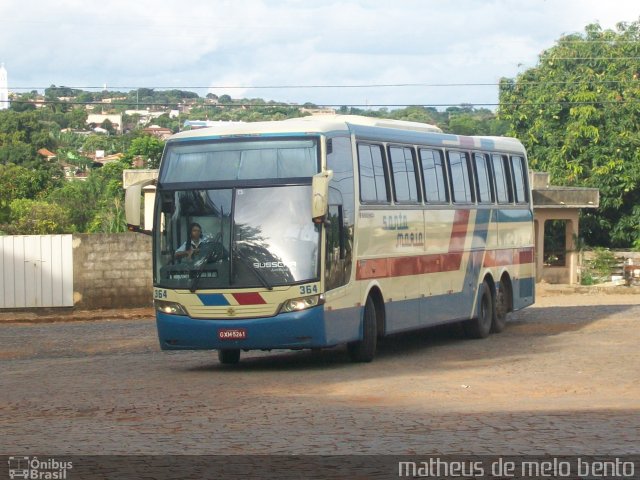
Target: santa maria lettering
(395,222)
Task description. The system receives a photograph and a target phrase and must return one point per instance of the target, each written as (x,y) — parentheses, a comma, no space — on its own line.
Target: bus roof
(370,128)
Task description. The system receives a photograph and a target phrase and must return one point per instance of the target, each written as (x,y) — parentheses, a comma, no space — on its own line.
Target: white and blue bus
(333,230)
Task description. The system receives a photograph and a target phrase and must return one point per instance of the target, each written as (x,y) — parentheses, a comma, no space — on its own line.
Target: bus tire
(501,309)
(229,357)
(480,327)
(364,350)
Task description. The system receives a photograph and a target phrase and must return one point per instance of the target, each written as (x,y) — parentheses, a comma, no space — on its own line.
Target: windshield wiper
(255,271)
(196,279)
(214,254)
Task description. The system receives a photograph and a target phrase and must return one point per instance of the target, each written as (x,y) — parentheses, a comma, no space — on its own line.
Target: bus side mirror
(132,206)
(320,195)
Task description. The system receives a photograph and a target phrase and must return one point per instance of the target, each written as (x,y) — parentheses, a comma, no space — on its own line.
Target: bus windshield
(235,238)
(239,160)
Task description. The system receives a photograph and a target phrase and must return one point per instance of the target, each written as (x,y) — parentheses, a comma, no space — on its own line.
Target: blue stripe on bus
(487,144)
(436,309)
(481,229)
(433,310)
(507,215)
(474,265)
(213,299)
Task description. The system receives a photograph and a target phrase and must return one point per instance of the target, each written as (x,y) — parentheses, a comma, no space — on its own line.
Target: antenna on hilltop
(4,88)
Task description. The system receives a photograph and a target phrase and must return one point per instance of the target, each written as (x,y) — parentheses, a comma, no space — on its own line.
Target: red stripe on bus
(526,255)
(438,263)
(404,266)
(459,230)
(416,265)
(253,298)
(509,256)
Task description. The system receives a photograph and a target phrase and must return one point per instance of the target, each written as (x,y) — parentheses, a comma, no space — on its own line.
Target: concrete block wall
(112,270)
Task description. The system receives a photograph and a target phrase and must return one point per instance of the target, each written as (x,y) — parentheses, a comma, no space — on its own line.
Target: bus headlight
(170,308)
(297,304)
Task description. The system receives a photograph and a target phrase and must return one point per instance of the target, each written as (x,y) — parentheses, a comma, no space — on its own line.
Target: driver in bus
(192,246)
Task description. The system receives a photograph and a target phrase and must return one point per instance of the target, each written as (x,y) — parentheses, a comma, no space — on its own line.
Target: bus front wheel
(480,327)
(364,350)
(229,357)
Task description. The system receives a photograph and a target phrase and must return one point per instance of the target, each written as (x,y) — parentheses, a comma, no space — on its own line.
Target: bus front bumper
(303,329)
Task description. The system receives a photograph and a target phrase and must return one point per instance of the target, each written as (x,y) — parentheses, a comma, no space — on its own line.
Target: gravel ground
(561,379)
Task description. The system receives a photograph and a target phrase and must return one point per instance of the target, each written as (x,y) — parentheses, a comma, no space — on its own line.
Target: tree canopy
(149,147)
(578,114)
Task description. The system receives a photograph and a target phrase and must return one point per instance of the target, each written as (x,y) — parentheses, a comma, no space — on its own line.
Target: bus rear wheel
(364,350)
(501,308)
(229,357)
(480,327)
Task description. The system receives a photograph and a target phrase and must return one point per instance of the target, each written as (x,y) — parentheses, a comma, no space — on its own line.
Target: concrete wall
(112,270)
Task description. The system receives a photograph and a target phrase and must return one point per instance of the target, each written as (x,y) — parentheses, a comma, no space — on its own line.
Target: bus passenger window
(503,192)
(433,174)
(483,181)
(373,185)
(404,175)
(460,178)
(519,180)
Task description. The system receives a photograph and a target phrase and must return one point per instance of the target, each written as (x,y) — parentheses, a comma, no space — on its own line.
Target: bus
(331,230)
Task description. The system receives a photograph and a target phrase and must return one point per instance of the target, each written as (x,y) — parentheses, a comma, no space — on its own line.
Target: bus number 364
(308,289)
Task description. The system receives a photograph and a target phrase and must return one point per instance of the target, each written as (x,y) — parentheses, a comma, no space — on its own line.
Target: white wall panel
(37,271)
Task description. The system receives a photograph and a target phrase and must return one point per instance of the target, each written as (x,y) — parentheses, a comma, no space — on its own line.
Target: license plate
(232,333)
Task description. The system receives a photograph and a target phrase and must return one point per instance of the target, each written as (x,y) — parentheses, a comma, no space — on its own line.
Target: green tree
(108,126)
(465,124)
(18,182)
(22,106)
(22,134)
(95,142)
(149,147)
(79,199)
(578,114)
(110,219)
(36,217)
(168,122)
(85,200)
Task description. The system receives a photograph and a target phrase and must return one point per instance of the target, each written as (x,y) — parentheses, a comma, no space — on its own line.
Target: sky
(346,49)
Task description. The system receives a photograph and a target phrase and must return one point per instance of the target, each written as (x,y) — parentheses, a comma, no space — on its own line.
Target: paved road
(562,379)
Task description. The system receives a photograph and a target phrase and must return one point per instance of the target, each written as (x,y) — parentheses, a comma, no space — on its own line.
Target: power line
(352,105)
(317,86)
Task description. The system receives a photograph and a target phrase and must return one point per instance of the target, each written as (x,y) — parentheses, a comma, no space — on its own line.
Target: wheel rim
(501,305)
(484,310)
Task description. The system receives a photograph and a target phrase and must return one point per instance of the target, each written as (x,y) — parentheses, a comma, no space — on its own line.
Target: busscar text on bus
(325,231)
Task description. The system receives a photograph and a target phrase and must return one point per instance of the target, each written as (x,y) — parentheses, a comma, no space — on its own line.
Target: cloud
(291,42)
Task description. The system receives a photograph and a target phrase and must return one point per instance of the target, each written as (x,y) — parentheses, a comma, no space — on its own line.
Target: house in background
(49,155)
(157,131)
(95,120)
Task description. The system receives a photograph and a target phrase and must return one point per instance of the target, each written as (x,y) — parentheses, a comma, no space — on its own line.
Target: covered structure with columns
(557,209)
